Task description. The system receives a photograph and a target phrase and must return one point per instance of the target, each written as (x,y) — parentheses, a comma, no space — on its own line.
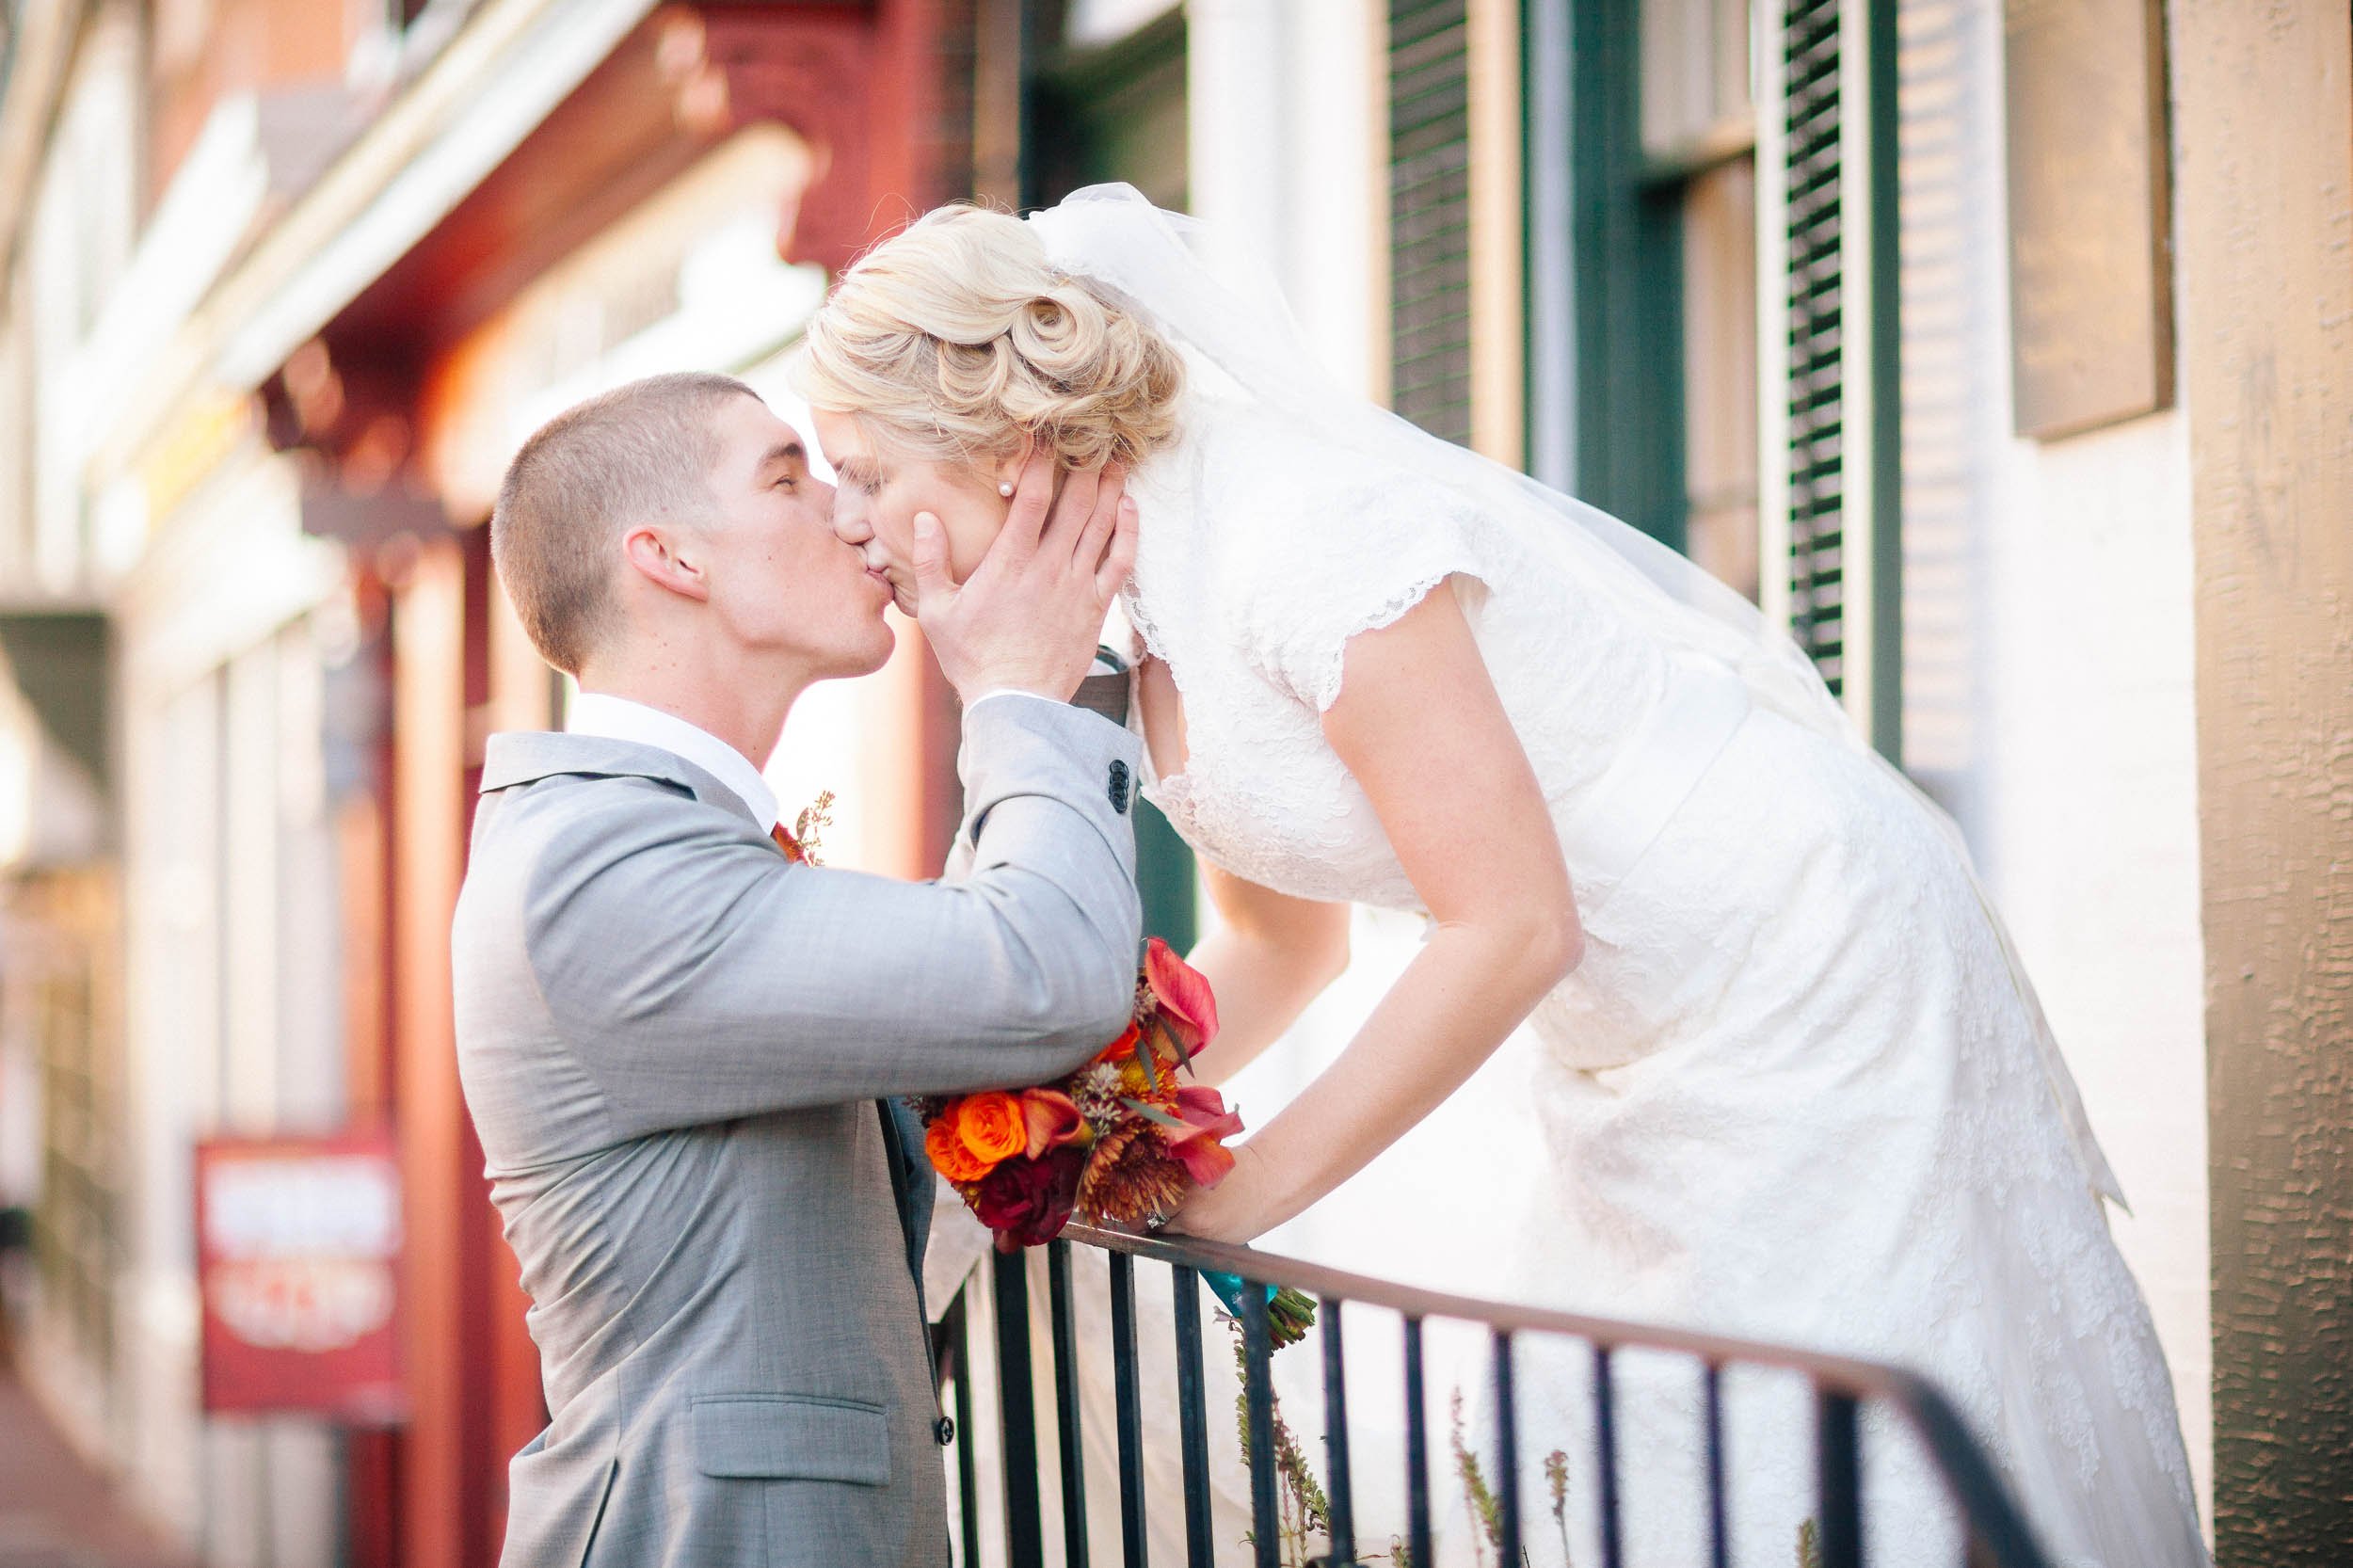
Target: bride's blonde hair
(955,339)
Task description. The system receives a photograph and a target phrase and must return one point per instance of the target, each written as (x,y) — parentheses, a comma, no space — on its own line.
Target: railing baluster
(1016,1409)
(1339,1489)
(1192,1417)
(1997,1533)
(1131,1402)
(1074,1485)
(959,1327)
(1417,1452)
(1507,1450)
(1719,1527)
(1836,1456)
(1259,1402)
(1606,1442)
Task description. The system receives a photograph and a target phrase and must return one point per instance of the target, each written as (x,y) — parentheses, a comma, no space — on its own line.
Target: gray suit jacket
(671,1042)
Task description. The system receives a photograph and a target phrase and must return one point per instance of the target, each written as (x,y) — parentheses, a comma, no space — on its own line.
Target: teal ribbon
(1228,1288)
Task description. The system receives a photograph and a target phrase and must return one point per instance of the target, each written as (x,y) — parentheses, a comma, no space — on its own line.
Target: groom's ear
(655,554)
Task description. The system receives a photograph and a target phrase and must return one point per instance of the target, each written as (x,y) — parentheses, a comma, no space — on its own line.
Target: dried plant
(1475,1492)
(1300,1509)
(1302,1512)
(809,827)
(1557,1483)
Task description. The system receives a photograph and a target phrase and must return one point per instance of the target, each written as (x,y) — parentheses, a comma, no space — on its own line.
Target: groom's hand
(1030,615)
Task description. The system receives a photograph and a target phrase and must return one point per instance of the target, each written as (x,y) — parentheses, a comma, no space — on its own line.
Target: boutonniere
(802,843)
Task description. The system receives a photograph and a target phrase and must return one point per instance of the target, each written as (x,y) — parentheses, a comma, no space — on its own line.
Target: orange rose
(991,1124)
(1120,1046)
(948,1156)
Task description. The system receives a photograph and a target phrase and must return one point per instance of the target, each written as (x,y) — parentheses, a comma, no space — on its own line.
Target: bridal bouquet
(1119,1143)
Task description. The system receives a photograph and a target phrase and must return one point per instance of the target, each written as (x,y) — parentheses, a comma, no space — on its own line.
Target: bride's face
(877,494)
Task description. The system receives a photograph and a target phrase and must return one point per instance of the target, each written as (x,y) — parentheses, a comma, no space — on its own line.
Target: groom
(675,1040)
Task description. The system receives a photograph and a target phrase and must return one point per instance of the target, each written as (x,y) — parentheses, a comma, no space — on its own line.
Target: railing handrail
(1850,1374)
(1989,1511)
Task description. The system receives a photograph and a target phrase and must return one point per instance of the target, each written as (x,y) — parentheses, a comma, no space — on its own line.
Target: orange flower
(1129,1178)
(1120,1046)
(1052,1120)
(948,1156)
(991,1124)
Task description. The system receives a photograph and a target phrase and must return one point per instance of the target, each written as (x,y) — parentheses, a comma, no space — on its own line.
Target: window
(1698,140)
(1109,101)
(1102,98)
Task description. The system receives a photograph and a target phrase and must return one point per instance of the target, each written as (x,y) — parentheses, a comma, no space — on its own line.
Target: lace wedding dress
(1799,1088)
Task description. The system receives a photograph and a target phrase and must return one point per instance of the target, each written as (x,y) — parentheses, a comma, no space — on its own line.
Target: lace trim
(1329,662)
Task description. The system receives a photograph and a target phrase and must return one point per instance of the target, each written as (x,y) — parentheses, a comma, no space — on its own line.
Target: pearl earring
(1004,487)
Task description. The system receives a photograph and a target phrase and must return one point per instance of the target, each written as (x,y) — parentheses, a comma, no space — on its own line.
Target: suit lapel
(914,1225)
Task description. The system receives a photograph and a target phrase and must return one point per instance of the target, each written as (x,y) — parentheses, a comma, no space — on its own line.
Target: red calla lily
(1186,1005)
(1052,1120)
(1200,1147)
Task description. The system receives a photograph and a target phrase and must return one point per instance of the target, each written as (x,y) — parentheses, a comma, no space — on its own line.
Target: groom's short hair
(638,453)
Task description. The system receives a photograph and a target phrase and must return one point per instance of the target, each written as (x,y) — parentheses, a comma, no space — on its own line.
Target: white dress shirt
(616,719)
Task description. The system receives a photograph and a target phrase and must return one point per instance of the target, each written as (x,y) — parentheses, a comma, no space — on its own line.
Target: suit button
(944,1431)
(1119,787)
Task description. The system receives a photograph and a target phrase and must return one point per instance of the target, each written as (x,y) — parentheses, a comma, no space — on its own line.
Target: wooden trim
(2264,121)
(999,47)
(40,61)
(1772,321)
(1869,361)
(438,1494)
(1379,328)
(522,686)
(1498,215)
(1628,275)
(1548,281)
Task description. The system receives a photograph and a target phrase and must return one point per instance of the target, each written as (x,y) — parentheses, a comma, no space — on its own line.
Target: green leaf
(1154,1115)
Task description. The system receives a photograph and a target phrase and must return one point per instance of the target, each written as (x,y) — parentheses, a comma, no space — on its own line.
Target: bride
(1787,1079)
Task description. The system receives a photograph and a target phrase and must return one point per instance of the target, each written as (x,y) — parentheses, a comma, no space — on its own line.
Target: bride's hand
(1239,1208)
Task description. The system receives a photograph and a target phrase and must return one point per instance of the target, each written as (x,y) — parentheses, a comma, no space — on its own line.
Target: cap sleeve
(1318,568)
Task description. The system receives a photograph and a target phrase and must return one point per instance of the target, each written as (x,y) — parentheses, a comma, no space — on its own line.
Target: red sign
(297,1247)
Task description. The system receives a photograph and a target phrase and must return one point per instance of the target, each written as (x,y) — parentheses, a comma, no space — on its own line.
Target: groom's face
(781,581)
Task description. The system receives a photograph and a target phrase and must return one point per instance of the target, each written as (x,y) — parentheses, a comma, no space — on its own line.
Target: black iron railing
(1994,1532)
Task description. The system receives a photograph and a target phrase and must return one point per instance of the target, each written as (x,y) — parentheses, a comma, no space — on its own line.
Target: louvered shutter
(1827,310)
(1430,214)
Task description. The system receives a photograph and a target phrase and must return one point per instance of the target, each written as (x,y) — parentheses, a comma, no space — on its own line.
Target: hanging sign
(298,1263)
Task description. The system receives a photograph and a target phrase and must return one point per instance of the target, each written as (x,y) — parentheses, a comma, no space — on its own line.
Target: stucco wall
(2091,827)
(2048,679)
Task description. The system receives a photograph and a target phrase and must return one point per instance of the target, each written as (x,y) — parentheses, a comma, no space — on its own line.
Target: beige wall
(2048,683)
(2091,827)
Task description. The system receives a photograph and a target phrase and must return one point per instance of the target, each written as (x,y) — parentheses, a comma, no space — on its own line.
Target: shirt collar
(616,719)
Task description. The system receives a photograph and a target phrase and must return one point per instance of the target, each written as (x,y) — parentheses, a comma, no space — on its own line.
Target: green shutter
(1826,160)
(1430,219)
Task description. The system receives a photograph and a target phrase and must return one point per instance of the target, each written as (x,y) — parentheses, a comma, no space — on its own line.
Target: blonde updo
(955,339)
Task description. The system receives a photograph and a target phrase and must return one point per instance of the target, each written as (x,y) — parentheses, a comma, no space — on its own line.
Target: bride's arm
(1270,956)
(1419,723)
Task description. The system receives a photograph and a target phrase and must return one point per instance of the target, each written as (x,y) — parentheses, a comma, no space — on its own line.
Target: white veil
(1200,287)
